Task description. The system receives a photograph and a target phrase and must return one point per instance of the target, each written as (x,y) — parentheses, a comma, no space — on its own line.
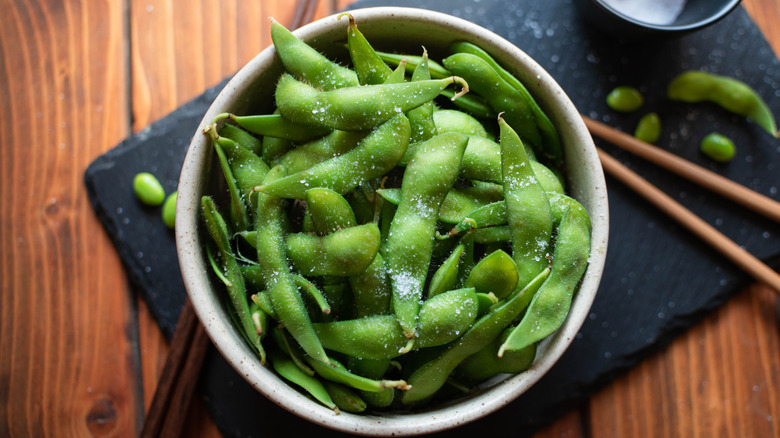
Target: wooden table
(79,351)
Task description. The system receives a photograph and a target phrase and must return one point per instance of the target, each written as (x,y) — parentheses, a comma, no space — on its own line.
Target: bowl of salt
(638,18)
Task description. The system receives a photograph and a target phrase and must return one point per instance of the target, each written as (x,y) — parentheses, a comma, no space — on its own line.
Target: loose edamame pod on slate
(427,179)
(625,99)
(376,155)
(355,108)
(718,147)
(169,210)
(305,62)
(550,305)
(729,93)
(648,129)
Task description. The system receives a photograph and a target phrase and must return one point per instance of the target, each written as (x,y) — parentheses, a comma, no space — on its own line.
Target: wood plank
(66,345)
(717,380)
(172,62)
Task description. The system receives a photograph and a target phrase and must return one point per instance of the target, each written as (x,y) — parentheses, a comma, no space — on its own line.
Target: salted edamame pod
(276,275)
(354,108)
(307,63)
(376,154)
(550,305)
(527,207)
(344,252)
(427,179)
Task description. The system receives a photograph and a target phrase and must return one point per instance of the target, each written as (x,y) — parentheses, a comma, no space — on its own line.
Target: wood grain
(67,326)
(80,354)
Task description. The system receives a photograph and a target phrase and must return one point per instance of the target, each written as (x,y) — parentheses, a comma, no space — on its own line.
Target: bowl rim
(724,10)
(242,359)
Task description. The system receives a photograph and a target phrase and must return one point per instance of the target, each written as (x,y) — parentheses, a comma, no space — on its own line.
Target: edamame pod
(550,305)
(495,273)
(377,154)
(307,63)
(330,212)
(486,82)
(446,275)
(550,136)
(427,179)
(421,118)
(230,272)
(485,363)
(368,66)
(287,369)
(354,108)
(428,378)
(275,125)
(527,207)
(316,151)
(731,94)
(272,259)
(341,253)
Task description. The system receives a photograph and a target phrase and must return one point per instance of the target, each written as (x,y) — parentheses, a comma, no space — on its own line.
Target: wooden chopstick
(693,223)
(179,376)
(755,201)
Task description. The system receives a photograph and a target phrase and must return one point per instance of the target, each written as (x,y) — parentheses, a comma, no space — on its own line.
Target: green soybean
(648,129)
(718,147)
(625,99)
(432,375)
(148,189)
(169,210)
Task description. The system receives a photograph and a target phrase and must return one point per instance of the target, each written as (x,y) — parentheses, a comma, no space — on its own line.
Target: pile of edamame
(397,231)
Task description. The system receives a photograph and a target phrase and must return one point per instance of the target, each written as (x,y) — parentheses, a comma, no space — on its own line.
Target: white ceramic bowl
(252,89)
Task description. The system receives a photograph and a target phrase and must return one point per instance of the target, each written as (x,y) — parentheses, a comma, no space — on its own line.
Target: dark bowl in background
(696,14)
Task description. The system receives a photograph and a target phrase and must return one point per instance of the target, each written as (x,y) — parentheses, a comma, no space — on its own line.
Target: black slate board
(658,280)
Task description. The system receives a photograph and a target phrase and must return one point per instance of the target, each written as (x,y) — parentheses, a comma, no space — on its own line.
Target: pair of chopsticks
(705,178)
(176,386)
